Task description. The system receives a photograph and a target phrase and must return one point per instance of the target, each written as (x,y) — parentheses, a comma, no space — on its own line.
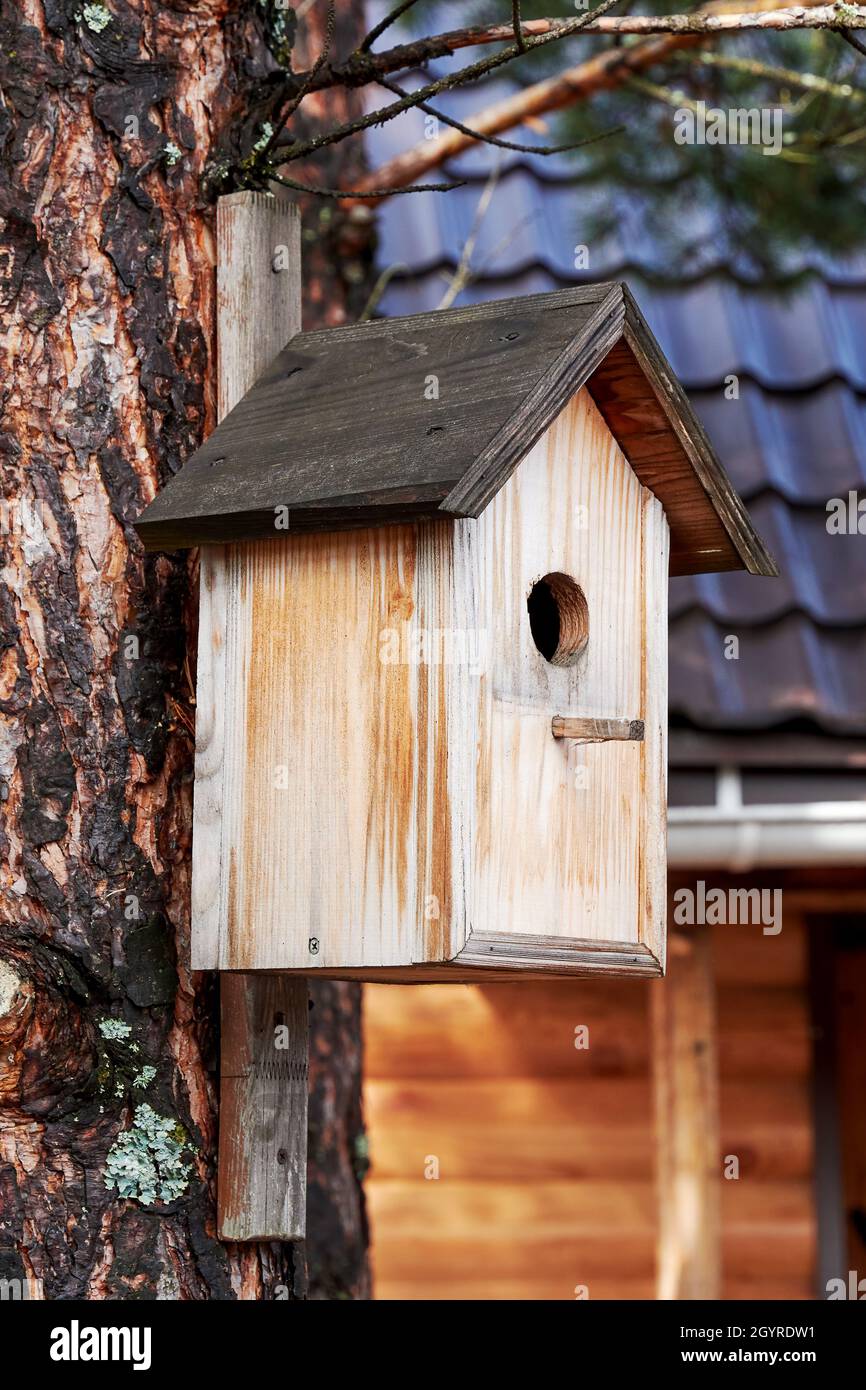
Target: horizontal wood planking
(531,1289)
(764,1032)
(578,1231)
(507,1030)
(768,1227)
(425,1046)
(537,1129)
(743,955)
(488,1288)
(511,1130)
(564,1227)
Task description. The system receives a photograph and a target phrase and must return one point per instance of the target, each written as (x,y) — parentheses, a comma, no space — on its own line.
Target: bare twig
(304,88)
(356,194)
(495,140)
(384,24)
(854,42)
(517,26)
(379,289)
(463,271)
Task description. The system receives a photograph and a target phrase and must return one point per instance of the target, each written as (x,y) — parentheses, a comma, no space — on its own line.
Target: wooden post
(687,1122)
(262,1178)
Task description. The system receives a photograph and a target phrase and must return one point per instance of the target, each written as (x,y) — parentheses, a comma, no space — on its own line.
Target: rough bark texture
(110,119)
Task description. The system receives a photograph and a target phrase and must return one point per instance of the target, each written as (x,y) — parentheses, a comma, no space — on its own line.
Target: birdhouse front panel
(432,650)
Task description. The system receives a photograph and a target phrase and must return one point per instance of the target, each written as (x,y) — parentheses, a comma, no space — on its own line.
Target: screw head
(314,945)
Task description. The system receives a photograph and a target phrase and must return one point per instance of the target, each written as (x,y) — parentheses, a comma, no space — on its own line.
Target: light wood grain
(457,1230)
(506,1031)
(520,1130)
(582,1232)
(345,841)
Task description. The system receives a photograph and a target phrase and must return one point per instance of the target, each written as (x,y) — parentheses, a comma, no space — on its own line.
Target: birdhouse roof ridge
(425,416)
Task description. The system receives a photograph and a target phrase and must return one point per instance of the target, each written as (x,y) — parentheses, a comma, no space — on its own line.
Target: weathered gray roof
(400,419)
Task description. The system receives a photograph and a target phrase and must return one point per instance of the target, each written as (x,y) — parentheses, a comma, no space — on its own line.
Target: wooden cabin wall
(545,1152)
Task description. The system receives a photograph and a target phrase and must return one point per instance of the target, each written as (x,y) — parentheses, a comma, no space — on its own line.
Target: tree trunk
(114,119)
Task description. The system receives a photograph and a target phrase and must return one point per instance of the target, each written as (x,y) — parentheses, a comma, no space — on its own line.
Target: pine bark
(113,119)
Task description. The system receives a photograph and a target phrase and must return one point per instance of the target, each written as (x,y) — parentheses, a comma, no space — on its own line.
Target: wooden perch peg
(596,730)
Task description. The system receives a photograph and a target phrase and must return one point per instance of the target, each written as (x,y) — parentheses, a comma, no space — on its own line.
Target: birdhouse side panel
(329,811)
(654,829)
(570,830)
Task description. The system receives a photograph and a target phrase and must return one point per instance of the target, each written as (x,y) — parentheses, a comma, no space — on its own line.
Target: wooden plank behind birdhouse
(263,1108)
(262,1172)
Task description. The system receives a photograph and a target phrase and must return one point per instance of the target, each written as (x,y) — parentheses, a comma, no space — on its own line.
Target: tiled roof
(794,438)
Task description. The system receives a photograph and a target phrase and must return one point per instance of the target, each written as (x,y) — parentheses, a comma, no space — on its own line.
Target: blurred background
(710,1140)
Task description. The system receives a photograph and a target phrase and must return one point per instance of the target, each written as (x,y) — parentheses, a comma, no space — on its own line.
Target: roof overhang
(399,420)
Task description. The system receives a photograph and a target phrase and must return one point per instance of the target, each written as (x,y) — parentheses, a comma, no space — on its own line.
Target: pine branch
(303,149)
(808,81)
(364,67)
(384,24)
(603,72)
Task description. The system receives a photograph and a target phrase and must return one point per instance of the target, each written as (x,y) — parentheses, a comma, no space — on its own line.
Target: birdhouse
(432,687)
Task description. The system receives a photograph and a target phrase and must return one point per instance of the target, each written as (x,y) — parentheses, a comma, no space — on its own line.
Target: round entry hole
(558,618)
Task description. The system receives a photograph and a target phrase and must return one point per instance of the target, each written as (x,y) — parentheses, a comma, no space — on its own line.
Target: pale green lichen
(96,17)
(261,143)
(115,1029)
(172,153)
(144,1077)
(146,1162)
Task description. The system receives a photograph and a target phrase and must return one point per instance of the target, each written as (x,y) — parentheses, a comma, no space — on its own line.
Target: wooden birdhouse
(432,690)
